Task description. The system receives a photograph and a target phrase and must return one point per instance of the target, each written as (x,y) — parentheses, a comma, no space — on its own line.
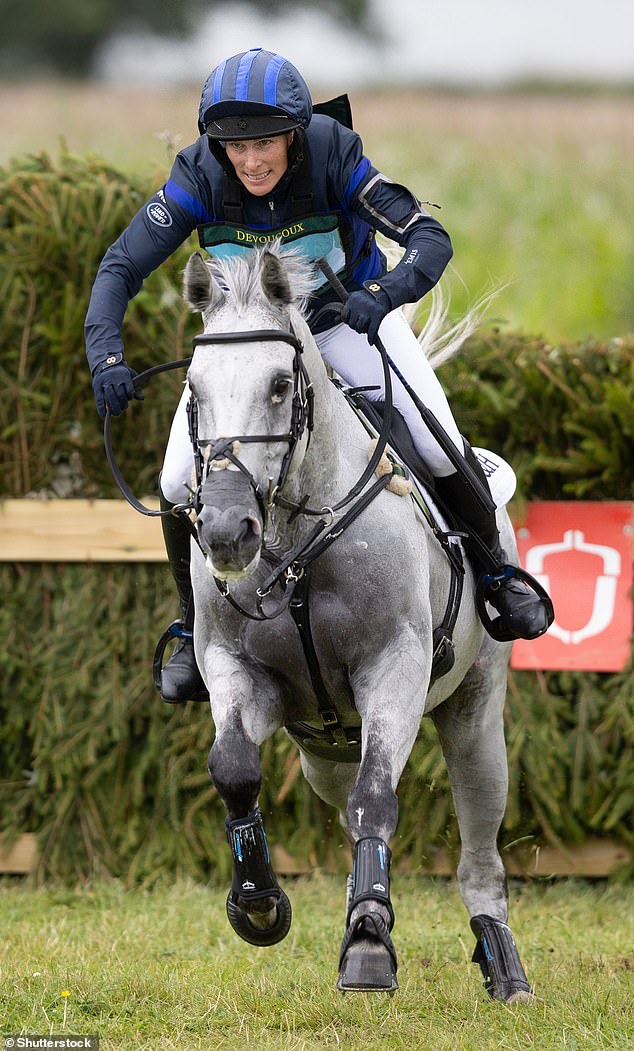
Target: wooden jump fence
(111,531)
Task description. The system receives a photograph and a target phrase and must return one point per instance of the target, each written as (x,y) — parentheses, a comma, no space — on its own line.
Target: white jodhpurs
(358,364)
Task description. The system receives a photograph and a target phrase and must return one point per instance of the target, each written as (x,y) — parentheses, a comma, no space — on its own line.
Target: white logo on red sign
(581,552)
(604,588)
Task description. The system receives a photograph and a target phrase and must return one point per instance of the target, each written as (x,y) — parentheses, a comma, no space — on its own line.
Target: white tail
(440,340)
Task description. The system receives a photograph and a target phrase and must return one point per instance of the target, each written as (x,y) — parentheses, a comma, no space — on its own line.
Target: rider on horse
(267,166)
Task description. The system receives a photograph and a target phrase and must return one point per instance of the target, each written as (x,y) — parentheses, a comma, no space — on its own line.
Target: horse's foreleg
(257,908)
(367,960)
(471,731)
(391,714)
(234,766)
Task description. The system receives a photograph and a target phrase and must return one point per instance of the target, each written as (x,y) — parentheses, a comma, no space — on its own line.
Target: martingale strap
(299,609)
(232,200)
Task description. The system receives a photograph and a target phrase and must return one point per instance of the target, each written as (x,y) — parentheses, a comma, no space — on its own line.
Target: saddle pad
(500,476)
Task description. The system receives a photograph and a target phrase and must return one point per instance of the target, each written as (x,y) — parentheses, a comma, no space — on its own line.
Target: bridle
(291,568)
(302,405)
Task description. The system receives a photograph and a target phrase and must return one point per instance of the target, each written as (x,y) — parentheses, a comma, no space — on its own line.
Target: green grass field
(162,969)
(535,189)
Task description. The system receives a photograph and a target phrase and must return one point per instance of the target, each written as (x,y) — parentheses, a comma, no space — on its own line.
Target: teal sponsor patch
(315,237)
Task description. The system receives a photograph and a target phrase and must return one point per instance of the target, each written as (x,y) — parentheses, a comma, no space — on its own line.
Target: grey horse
(377,591)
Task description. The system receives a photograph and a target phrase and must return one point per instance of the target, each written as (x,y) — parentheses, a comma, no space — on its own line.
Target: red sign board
(582,554)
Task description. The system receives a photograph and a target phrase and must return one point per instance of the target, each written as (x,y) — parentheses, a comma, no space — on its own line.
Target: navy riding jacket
(342,180)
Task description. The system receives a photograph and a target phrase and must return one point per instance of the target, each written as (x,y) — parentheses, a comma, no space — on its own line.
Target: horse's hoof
(522,996)
(367,968)
(247,930)
(368,960)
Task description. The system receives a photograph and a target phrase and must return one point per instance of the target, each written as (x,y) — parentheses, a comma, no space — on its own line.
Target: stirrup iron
(176,630)
(495,626)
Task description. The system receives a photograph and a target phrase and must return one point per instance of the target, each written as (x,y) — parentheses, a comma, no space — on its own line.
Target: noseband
(210,451)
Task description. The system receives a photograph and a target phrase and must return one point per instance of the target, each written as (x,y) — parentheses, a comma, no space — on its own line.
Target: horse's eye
(280,388)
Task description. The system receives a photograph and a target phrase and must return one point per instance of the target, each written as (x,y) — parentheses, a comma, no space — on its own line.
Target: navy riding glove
(364,311)
(113,384)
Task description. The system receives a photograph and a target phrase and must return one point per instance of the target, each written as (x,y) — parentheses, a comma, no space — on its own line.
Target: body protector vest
(314,235)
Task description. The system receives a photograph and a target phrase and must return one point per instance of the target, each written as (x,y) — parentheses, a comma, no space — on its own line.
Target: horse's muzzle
(229,524)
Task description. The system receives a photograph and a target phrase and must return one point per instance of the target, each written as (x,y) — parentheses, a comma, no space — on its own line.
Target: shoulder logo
(158,214)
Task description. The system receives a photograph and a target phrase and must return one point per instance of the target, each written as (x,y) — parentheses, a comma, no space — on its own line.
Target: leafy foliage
(562,415)
(57,221)
(111,780)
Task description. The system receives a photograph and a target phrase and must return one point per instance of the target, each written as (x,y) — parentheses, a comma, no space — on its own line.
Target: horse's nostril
(255,525)
(249,529)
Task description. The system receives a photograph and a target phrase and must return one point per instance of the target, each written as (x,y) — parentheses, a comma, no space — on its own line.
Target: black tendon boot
(525,610)
(179,680)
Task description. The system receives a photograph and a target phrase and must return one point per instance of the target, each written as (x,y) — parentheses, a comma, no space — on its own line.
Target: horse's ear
(200,291)
(274,278)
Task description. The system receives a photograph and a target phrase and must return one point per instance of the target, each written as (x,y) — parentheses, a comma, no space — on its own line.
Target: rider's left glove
(364,311)
(113,385)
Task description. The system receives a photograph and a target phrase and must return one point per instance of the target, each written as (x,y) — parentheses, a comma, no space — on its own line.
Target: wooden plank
(596,859)
(78,531)
(21,858)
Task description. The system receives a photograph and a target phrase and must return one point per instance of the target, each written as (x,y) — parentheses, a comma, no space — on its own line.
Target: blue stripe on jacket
(186,201)
(356,178)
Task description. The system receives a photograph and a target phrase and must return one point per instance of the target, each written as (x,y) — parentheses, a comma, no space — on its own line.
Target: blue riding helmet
(253,95)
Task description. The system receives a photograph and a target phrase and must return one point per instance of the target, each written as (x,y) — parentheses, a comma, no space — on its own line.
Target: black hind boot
(179,680)
(525,610)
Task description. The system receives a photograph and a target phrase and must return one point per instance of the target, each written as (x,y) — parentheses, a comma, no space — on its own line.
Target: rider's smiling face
(260,163)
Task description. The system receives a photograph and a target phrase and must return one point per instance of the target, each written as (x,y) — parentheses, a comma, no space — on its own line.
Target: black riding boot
(523,613)
(180,678)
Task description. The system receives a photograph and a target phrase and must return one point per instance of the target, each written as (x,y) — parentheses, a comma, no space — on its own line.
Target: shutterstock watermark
(61,1043)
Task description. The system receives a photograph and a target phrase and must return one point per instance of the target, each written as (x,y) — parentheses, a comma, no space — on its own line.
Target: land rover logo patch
(158,214)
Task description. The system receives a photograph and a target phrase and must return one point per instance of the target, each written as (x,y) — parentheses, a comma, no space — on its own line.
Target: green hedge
(112,780)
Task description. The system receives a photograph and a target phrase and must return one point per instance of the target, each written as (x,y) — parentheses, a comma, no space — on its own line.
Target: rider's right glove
(113,384)
(364,310)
